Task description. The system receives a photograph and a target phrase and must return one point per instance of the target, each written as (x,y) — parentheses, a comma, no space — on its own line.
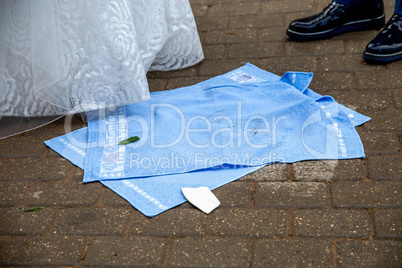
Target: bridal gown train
(59,56)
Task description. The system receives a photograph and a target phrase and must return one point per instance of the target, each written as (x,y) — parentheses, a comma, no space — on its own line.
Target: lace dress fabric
(58,56)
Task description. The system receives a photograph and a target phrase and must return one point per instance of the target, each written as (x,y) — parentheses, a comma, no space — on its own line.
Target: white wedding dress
(58,56)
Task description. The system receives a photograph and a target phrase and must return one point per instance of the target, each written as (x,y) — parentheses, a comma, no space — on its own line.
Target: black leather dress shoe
(387,45)
(336,19)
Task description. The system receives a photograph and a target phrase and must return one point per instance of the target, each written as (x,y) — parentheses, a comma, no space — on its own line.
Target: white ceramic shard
(202,198)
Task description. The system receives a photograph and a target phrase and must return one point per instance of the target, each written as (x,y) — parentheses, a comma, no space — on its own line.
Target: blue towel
(224,124)
(152,195)
(299,125)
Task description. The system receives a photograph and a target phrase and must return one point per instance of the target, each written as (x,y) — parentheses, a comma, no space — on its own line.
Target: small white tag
(202,198)
(242,77)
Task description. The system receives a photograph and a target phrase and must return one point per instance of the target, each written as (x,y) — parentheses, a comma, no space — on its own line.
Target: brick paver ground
(308,214)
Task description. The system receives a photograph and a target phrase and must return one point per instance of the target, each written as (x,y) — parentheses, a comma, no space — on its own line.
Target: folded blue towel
(227,123)
(210,134)
(151,195)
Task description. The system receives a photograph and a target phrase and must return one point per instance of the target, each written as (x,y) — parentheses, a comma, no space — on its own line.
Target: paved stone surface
(236,194)
(389,120)
(91,221)
(3,242)
(387,223)
(22,147)
(308,214)
(367,100)
(236,36)
(63,194)
(334,63)
(332,81)
(389,80)
(18,222)
(370,253)
(248,222)
(367,194)
(157,84)
(299,63)
(111,199)
(397,94)
(183,82)
(215,252)
(274,172)
(58,127)
(12,192)
(385,167)
(379,143)
(36,169)
(328,170)
(177,222)
(125,251)
(291,194)
(211,68)
(292,253)
(238,9)
(256,51)
(328,47)
(331,223)
(39,250)
(258,21)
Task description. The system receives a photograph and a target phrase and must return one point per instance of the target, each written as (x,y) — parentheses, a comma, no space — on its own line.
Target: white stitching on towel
(145,194)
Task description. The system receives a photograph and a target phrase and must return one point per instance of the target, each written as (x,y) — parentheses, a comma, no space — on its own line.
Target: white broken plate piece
(202,198)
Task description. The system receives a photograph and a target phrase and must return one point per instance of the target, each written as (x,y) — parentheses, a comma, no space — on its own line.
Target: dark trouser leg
(398,7)
(358,2)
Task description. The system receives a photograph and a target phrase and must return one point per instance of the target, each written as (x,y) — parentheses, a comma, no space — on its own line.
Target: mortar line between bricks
(252,198)
(208,223)
(371,223)
(197,70)
(130,223)
(229,25)
(390,101)
(393,101)
(166,255)
(330,201)
(28,191)
(45,153)
(226,56)
(320,68)
(99,202)
(165,83)
(335,254)
(88,242)
(202,36)
(290,175)
(5,161)
(400,142)
(207,15)
(289,223)
(70,174)
(258,62)
(365,168)
(52,221)
(285,49)
(8,239)
(258,37)
(250,246)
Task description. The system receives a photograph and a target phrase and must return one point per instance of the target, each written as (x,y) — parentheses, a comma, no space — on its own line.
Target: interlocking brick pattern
(309,214)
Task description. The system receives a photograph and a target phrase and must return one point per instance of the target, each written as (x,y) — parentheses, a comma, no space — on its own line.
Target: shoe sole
(381,58)
(361,25)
